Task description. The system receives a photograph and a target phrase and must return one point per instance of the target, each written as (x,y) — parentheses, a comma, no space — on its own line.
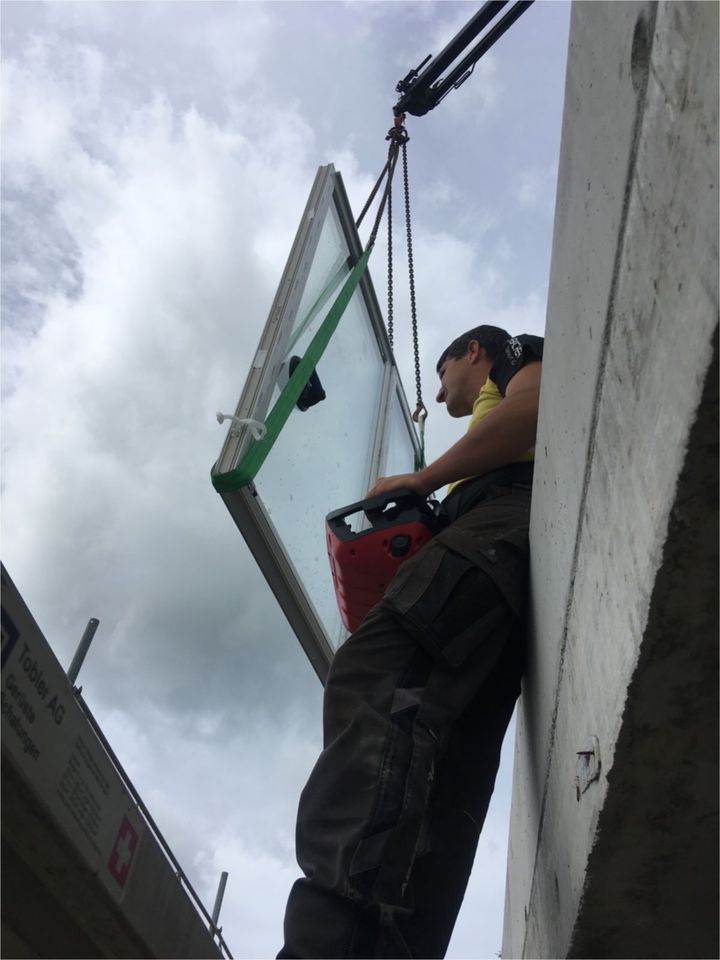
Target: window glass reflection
(321,459)
(329,269)
(399,450)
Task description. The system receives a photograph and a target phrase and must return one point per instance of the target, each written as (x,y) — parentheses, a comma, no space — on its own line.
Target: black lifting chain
(420,409)
(398,137)
(390,270)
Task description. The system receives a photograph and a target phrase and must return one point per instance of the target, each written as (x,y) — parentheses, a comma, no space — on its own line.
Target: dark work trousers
(417,702)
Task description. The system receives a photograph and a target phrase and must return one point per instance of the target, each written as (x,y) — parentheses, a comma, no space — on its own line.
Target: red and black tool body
(363,562)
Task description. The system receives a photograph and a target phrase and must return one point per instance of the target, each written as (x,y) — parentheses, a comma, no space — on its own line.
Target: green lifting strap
(246,471)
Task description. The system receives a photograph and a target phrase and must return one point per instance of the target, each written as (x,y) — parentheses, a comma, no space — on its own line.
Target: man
(418,699)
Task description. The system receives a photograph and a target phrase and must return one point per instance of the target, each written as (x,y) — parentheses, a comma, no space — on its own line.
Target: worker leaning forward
(418,699)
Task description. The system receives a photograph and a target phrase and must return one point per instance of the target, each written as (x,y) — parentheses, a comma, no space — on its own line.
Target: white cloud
(536,189)
(440,192)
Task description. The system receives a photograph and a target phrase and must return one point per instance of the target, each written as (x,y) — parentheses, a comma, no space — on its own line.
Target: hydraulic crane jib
(422,91)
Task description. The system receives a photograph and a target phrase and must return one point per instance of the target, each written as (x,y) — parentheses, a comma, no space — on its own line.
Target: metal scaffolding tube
(82,649)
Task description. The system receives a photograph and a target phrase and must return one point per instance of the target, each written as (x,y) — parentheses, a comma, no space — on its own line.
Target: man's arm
(499,439)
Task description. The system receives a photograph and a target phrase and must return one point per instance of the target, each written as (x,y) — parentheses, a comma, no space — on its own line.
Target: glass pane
(329,269)
(321,459)
(399,450)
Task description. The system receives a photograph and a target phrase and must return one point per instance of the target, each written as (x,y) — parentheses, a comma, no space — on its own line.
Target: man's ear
(475,351)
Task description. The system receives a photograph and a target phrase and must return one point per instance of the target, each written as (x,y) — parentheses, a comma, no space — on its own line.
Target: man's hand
(412,481)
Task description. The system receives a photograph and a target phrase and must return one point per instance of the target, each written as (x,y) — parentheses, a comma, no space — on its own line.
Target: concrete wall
(625,438)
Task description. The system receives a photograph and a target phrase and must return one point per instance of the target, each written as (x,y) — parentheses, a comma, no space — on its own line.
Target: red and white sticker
(123,852)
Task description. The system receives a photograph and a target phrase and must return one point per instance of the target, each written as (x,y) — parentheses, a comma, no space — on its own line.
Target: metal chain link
(411,271)
(398,137)
(390,271)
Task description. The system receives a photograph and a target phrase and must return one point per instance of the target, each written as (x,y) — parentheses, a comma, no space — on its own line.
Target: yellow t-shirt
(488,398)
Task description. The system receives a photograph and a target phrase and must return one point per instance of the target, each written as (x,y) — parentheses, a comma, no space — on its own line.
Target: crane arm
(422,91)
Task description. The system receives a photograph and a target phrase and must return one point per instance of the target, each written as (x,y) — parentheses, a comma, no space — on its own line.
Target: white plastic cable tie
(257,428)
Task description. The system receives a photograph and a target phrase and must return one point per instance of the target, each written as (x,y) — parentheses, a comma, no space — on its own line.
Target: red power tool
(364,561)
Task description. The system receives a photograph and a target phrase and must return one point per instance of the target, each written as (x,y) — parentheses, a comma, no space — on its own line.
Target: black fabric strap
(470,492)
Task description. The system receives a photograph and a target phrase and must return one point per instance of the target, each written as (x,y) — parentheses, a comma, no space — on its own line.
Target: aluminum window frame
(245,504)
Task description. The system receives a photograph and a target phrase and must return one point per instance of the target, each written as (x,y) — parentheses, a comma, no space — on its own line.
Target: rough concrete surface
(631,316)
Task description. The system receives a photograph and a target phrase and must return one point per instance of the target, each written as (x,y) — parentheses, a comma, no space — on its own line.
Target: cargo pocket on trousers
(450,604)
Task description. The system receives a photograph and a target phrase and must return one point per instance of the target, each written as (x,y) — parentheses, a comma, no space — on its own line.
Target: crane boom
(422,91)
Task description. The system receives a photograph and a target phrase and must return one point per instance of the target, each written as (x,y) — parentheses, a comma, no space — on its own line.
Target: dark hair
(492,338)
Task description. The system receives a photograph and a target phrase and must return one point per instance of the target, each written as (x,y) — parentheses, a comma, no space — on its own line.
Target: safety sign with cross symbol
(123,851)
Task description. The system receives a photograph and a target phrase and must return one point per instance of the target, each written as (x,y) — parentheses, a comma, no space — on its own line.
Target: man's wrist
(426,480)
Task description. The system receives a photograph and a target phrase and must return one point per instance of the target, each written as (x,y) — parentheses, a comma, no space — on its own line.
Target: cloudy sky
(157,157)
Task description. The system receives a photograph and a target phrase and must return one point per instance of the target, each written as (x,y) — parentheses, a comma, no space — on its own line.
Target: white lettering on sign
(39,687)
(19,697)
(33,672)
(29,748)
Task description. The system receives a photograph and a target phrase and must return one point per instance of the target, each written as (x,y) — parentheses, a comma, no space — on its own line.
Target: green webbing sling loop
(247,469)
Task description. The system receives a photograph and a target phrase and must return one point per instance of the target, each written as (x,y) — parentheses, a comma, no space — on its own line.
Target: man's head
(464,366)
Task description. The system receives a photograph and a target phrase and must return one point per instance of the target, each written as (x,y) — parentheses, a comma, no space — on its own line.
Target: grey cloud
(40,258)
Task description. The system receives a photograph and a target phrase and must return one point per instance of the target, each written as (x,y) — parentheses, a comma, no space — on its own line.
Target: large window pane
(321,459)
(327,456)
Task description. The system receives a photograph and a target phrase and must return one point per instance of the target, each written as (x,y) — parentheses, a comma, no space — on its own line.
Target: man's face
(453,385)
